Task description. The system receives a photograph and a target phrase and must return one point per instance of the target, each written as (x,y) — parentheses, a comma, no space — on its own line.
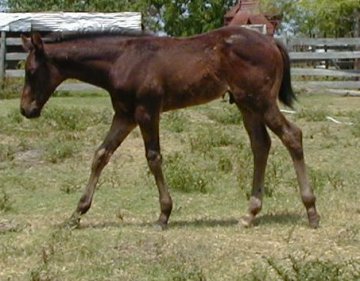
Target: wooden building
(248,13)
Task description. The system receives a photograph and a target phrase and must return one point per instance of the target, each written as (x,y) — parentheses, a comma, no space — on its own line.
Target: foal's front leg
(148,120)
(121,126)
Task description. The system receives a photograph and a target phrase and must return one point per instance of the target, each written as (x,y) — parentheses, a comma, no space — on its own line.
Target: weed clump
(7,152)
(229,115)
(209,137)
(5,201)
(74,119)
(182,175)
(297,269)
(57,151)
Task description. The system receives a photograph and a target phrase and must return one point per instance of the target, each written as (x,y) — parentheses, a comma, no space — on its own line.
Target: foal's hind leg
(260,145)
(148,120)
(120,128)
(291,136)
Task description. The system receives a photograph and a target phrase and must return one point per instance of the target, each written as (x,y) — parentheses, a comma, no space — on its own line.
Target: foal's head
(41,77)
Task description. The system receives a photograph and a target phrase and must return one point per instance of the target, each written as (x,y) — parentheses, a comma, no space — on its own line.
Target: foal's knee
(101,158)
(308,199)
(154,160)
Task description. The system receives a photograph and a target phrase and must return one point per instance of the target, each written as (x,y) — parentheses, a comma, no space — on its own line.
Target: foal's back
(189,71)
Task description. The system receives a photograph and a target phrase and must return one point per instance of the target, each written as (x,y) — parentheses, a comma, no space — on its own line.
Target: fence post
(357,34)
(2,55)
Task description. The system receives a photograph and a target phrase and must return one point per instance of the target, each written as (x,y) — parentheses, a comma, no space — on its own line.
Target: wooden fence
(325,63)
(321,63)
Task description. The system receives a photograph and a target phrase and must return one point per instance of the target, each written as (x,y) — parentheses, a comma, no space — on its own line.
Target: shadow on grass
(285,218)
(101,225)
(199,223)
(266,219)
(204,223)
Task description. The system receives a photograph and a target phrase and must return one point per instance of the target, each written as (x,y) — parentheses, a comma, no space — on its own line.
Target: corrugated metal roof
(25,22)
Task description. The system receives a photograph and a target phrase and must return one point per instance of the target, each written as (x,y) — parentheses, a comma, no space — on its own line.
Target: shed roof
(25,22)
(247,12)
(243,5)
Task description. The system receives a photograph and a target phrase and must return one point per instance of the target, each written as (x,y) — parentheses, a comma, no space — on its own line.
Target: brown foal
(146,75)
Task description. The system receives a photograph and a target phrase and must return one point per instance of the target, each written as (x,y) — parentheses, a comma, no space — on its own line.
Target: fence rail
(330,42)
(297,71)
(314,63)
(325,63)
(336,55)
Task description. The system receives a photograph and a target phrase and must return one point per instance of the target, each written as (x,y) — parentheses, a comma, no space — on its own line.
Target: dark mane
(56,37)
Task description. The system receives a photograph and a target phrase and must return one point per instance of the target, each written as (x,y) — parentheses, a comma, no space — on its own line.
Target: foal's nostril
(22,111)
(32,113)
(35,112)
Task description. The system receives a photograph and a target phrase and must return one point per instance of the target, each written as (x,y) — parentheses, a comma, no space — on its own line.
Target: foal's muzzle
(32,112)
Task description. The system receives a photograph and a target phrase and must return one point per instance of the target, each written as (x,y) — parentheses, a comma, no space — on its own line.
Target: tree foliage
(328,18)
(331,18)
(187,17)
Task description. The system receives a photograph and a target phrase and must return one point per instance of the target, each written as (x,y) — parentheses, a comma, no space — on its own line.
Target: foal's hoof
(246,221)
(314,220)
(72,223)
(160,226)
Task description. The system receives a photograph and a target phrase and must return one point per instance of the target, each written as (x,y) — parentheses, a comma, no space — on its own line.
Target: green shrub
(206,138)
(182,175)
(74,118)
(298,269)
(57,151)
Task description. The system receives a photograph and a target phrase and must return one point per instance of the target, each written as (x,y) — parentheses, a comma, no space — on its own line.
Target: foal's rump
(252,65)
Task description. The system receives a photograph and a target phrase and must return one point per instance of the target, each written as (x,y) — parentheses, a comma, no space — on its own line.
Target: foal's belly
(193,94)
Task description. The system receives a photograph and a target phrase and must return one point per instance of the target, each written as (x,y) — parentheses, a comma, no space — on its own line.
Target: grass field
(44,165)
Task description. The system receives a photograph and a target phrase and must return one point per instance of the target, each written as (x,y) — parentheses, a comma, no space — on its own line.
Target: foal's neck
(87,61)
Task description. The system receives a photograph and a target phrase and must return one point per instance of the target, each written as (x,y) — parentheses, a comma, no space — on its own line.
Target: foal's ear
(37,41)
(26,43)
